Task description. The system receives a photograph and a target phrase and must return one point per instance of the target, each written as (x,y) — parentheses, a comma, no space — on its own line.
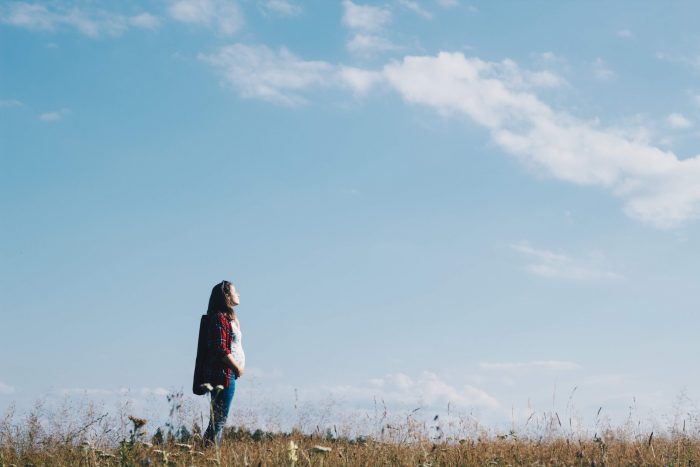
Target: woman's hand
(230,362)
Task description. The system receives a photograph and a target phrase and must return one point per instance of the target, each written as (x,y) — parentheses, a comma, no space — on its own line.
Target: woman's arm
(219,343)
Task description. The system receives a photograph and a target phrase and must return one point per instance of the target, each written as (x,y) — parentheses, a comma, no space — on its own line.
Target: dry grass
(87,436)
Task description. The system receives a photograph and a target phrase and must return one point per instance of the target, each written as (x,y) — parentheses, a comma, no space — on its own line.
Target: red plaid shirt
(218,346)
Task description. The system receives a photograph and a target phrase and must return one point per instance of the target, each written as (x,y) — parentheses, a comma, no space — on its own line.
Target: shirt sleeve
(220,336)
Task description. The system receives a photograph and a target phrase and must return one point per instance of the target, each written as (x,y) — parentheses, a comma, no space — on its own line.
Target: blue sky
(482,203)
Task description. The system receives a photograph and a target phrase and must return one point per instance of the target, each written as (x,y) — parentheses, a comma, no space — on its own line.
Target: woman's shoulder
(218,318)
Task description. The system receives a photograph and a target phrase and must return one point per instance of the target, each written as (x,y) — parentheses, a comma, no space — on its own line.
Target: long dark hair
(221,300)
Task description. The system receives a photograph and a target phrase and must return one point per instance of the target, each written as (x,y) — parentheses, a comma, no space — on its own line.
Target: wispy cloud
(551,365)
(6,388)
(145,21)
(690,61)
(54,16)
(601,70)
(416,8)
(624,33)
(224,15)
(678,121)
(365,17)
(369,43)
(279,76)
(281,7)
(426,389)
(655,185)
(276,76)
(447,3)
(54,116)
(10,103)
(367,26)
(553,265)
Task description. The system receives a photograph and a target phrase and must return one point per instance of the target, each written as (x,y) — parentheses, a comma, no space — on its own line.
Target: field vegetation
(86,435)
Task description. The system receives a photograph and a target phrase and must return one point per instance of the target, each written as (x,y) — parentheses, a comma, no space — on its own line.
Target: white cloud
(359,80)
(30,16)
(416,8)
(554,365)
(656,186)
(447,3)
(282,7)
(367,24)
(145,21)
(624,33)
(427,389)
(256,71)
(10,103)
(602,71)
(54,115)
(6,388)
(276,76)
(678,121)
(223,14)
(365,17)
(92,23)
(560,266)
(368,44)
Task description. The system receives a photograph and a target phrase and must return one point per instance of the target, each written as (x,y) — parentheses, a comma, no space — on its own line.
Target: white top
(237,345)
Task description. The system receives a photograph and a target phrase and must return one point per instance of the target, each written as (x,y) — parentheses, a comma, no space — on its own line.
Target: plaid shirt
(218,346)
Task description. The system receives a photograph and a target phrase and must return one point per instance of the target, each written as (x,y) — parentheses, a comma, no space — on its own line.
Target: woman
(225,360)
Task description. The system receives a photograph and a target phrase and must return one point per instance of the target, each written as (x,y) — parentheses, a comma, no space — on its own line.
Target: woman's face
(234,295)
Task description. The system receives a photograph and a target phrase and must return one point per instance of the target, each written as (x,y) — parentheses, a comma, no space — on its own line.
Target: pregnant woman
(224,360)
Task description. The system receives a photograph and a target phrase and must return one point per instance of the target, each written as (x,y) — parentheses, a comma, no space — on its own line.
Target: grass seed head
(138,422)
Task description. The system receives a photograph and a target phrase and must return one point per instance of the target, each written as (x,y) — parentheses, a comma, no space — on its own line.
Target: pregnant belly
(238,356)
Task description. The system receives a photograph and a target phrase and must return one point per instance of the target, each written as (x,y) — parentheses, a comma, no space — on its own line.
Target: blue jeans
(220,405)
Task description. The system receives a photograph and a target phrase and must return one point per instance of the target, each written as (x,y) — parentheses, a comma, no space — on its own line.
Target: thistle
(138,422)
(136,432)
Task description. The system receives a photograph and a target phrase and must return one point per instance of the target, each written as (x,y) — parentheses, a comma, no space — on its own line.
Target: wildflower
(207,387)
(138,422)
(292,452)
(321,451)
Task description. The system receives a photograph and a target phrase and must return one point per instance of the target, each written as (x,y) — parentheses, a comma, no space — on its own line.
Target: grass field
(87,436)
